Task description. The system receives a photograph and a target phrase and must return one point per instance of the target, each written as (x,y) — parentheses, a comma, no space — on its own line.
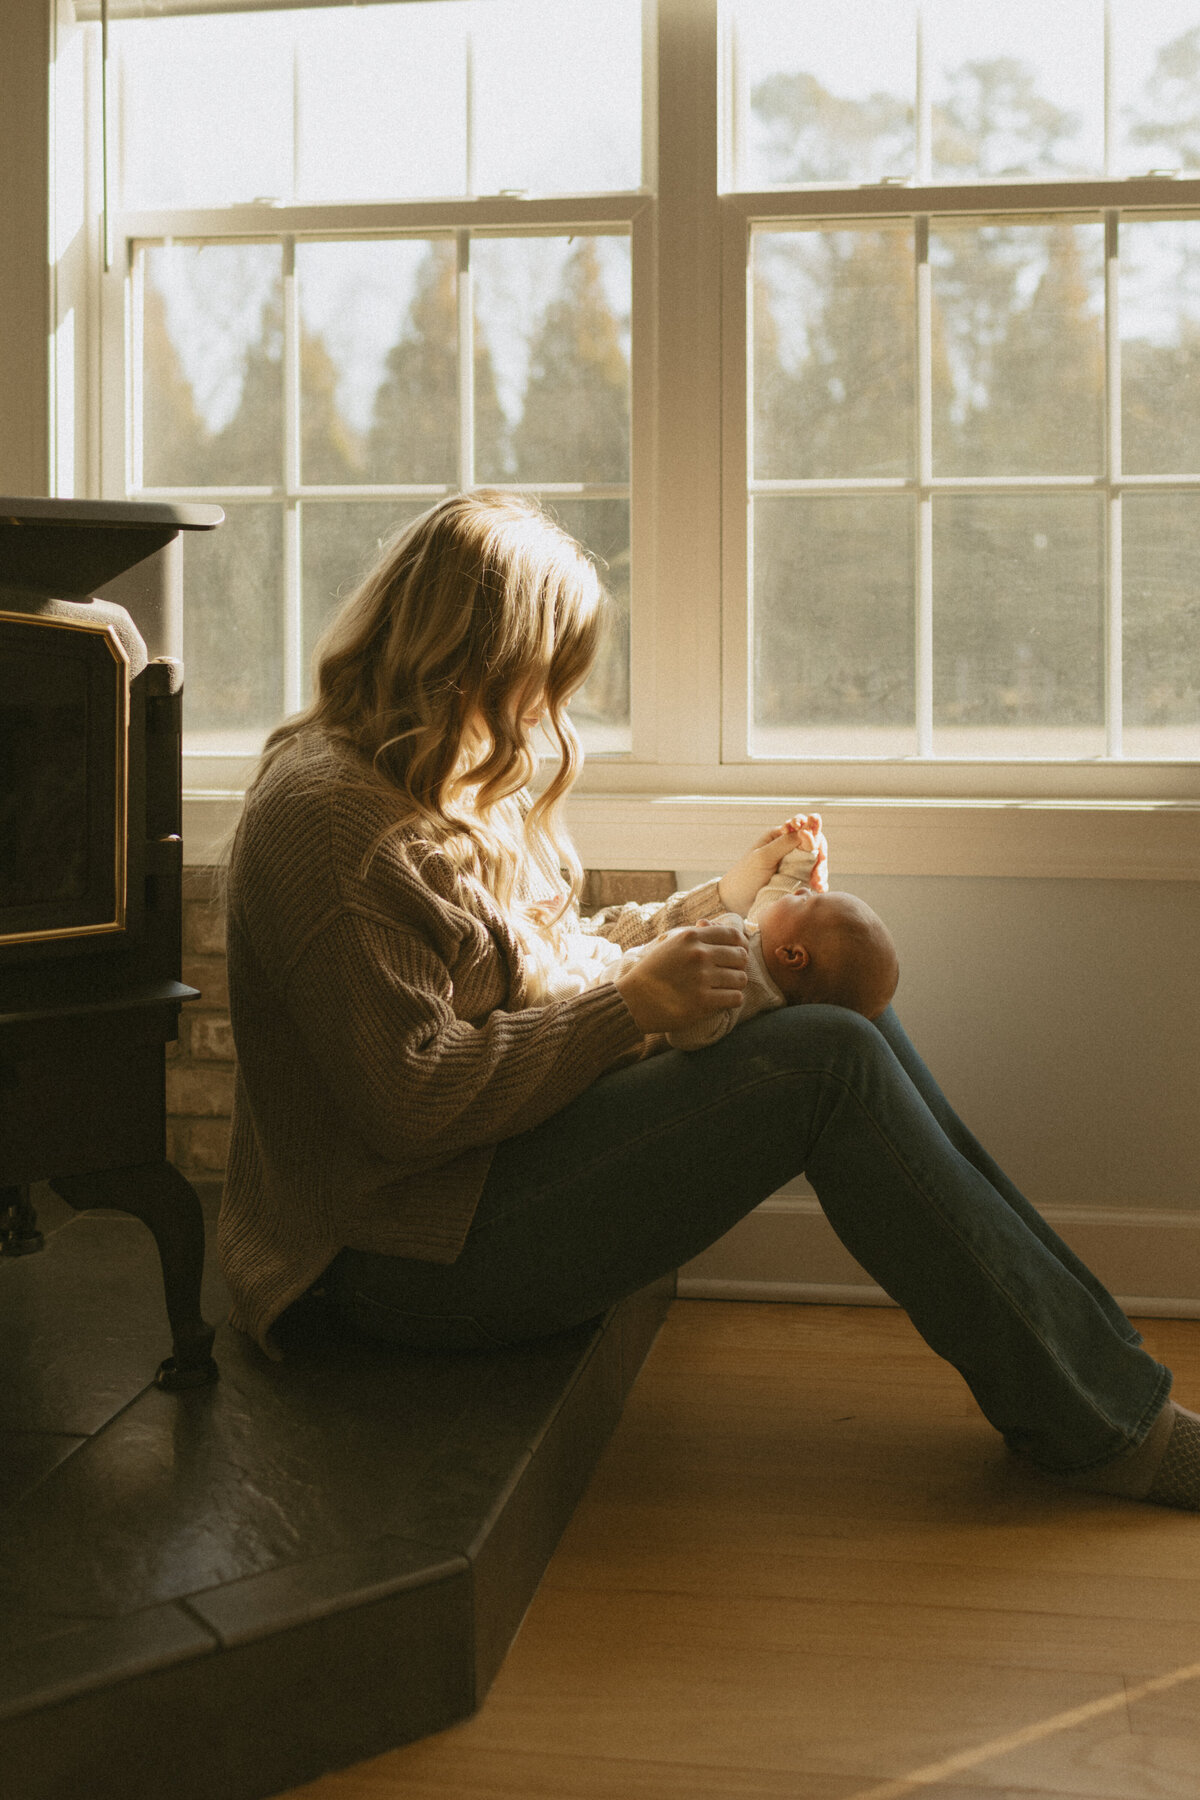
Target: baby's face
(836,934)
(797,916)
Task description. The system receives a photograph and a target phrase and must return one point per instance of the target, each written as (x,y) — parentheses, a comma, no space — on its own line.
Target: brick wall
(200,1066)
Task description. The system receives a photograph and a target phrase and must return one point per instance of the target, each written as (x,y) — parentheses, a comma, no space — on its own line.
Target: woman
(461,1168)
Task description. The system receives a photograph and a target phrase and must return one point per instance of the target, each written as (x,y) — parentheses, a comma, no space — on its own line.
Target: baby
(806,945)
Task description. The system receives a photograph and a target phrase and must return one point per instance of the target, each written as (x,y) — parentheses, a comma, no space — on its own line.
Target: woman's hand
(691,971)
(738,888)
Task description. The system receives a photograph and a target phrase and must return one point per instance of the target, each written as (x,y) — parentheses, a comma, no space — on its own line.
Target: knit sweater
(383,1038)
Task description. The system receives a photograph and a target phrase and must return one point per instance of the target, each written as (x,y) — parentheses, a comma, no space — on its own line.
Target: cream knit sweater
(384,1043)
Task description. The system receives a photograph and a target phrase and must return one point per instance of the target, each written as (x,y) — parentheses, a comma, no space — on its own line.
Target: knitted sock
(1177,1480)
(1164,1469)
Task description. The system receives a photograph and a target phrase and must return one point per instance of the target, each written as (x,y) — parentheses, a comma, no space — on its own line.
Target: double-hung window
(859,340)
(962,516)
(363,257)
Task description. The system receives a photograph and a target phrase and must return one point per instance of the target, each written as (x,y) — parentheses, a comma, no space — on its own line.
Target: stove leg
(158,1195)
(19,1234)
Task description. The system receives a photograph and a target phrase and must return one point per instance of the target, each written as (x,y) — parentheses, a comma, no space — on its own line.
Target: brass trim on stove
(119,654)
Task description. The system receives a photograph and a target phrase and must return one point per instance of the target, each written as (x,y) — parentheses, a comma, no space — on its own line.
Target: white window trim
(676,793)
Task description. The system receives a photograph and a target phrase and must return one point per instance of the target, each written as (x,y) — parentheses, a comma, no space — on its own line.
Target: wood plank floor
(806,1568)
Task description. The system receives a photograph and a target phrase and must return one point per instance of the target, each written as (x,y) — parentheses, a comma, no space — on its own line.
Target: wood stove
(90,889)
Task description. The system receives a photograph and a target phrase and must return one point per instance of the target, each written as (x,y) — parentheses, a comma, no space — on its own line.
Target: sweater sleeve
(639,924)
(372,1002)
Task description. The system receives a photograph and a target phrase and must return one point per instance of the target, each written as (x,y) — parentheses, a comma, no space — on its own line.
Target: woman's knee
(815,1036)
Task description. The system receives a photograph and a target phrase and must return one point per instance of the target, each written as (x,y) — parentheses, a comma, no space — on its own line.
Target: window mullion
(1114,651)
(466,364)
(293,636)
(924,536)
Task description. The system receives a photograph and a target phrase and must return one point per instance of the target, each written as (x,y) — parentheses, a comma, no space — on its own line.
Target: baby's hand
(738,888)
(808,862)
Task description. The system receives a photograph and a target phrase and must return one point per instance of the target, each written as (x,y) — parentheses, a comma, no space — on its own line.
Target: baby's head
(830,948)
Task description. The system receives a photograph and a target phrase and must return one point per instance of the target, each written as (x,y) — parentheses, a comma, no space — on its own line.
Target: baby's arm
(808,862)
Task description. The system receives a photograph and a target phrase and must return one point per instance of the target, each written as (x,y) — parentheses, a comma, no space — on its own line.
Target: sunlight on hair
(478,615)
(932,1773)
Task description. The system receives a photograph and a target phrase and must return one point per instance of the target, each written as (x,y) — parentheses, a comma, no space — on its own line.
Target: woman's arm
(372,1005)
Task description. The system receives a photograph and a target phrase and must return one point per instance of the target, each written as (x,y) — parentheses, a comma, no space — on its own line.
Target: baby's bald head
(829,948)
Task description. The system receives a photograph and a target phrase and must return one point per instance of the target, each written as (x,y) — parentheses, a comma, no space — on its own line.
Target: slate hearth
(230,1590)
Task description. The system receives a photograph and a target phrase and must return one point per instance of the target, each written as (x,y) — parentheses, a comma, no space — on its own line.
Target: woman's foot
(1177,1479)
(1164,1469)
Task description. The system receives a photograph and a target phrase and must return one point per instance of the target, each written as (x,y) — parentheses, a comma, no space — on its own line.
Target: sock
(1177,1479)
(1164,1469)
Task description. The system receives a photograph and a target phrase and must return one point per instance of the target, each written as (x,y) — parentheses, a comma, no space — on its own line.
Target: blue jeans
(655,1161)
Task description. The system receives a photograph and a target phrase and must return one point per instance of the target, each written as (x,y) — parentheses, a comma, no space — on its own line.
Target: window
(858,339)
(413,324)
(969,463)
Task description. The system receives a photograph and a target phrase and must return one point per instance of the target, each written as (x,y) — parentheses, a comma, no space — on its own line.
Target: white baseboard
(786,1250)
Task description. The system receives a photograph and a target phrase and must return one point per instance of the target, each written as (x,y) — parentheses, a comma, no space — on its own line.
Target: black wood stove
(90,889)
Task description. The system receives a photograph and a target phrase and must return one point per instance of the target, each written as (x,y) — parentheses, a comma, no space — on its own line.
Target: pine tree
(175,438)
(575,421)
(1045,400)
(414,430)
(248,451)
(575,427)
(329,449)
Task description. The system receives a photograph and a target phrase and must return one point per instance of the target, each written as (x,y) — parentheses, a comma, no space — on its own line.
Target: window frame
(925,773)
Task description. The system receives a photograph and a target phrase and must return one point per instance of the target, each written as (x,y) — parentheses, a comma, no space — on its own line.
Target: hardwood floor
(806,1568)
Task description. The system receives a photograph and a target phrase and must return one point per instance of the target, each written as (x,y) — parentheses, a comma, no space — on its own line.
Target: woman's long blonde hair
(479,612)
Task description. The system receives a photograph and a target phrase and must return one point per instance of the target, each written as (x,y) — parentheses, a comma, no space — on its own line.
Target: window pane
(340,540)
(233,630)
(205,108)
(832,353)
(382,102)
(557,96)
(600,710)
(817,114)
(378,361)
(212,343)
(1017,88)
(1018,353)
(1161,611)
(209,113)
(1157,81)
(1160,346)
(551,358)
(833,634)
(1018,626)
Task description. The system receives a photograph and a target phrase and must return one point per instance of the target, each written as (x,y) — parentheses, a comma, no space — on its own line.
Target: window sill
(1078,839)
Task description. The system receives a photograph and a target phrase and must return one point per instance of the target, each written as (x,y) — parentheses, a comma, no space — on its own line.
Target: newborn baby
(806,945)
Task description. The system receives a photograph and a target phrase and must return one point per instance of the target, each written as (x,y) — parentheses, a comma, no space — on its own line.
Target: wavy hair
(478,613)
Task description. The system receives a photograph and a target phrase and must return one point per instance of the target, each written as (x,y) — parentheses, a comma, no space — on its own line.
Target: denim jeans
(655,1161)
